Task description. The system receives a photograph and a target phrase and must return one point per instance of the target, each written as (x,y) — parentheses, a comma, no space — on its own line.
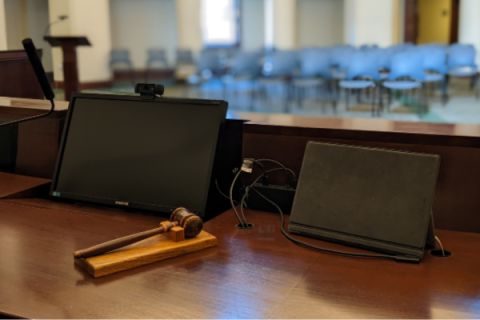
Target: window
(220,23)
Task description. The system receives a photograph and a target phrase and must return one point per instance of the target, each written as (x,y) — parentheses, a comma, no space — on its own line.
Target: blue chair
(340,61)
(155,56)
(461,63)
(362,74)
(278,69)
(435,67)
(244,70)
(341,56)
(122,57)
(184,57)
(314,73)
(385,61)
(368,47)
(406,74)
(209,68)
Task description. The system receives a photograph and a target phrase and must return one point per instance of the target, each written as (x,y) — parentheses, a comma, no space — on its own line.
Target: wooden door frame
(411,21)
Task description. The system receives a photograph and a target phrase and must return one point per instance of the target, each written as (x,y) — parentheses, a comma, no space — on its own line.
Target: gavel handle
(120,242)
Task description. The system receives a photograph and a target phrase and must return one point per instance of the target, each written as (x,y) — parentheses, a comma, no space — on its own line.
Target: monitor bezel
(150,207)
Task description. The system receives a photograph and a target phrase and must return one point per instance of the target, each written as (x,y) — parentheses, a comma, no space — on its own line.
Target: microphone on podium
(42,79)
(60,19)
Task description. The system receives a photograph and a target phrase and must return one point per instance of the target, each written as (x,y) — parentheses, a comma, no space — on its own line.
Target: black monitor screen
(155,155)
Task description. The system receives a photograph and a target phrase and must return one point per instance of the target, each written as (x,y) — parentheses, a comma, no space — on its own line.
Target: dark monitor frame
(111,202)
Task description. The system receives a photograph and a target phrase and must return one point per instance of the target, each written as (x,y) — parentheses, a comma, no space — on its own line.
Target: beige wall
(188,24)
(90,18)
(285,24)
(253,25)
(3,27)
(143,24)
(38,20)
(27,19)
(16,23)
(469,24)
(320,22)
(57,8)
(398,21)
(369,22)
(95,24)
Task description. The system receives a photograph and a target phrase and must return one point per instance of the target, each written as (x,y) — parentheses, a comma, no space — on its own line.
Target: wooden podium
(70,72)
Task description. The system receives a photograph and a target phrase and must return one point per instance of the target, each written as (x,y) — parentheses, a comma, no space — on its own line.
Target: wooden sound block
(156,248)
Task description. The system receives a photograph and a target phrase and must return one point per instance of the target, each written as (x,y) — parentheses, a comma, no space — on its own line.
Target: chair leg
(286,109)
(347,96)
(253,95)
(224,91)
(380,99)
(477,92)
(132,75)
(447,82)
(373,101)
(389,93)
(443,88)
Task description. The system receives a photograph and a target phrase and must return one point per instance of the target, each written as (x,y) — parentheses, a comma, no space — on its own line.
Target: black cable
(299,242)
(223,194)
(31,118)
(251,186)
(244,224)
(281,165)
(352,254)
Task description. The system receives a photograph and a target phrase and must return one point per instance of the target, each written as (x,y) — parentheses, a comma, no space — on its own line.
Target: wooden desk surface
(359,124)
(17,186)
(24,107)
(251,274)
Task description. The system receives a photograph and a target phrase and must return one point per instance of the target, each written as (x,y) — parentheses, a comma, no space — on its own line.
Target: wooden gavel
(191,223)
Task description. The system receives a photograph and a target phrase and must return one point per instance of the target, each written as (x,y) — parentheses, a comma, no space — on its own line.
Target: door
(434,21)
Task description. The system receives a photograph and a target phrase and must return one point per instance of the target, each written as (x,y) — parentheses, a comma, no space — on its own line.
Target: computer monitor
(154,155)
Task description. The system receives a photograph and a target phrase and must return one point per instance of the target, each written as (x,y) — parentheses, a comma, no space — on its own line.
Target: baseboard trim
(87,85)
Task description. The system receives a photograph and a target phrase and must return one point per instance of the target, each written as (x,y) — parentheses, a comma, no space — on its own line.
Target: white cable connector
(441,246)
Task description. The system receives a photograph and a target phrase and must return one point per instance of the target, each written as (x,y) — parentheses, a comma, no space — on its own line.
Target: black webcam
(149,91)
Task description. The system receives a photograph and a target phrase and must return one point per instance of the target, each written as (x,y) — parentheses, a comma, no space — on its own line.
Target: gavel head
(190,222)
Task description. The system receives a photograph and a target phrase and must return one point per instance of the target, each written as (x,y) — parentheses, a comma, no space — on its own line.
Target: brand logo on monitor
(121,203)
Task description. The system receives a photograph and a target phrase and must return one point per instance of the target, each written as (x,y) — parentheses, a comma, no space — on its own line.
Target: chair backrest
(434,58)
(120,56)
(407,64)
(184,56)
(280,63)
(246,63)
(384,57)
(368,47)
(363,63)
(156,55)
(341,57)
(315,62)
(209,60)
(461,55)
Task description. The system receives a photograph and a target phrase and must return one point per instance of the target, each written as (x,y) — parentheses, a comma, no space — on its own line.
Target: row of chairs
(401,67)
(122,57)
